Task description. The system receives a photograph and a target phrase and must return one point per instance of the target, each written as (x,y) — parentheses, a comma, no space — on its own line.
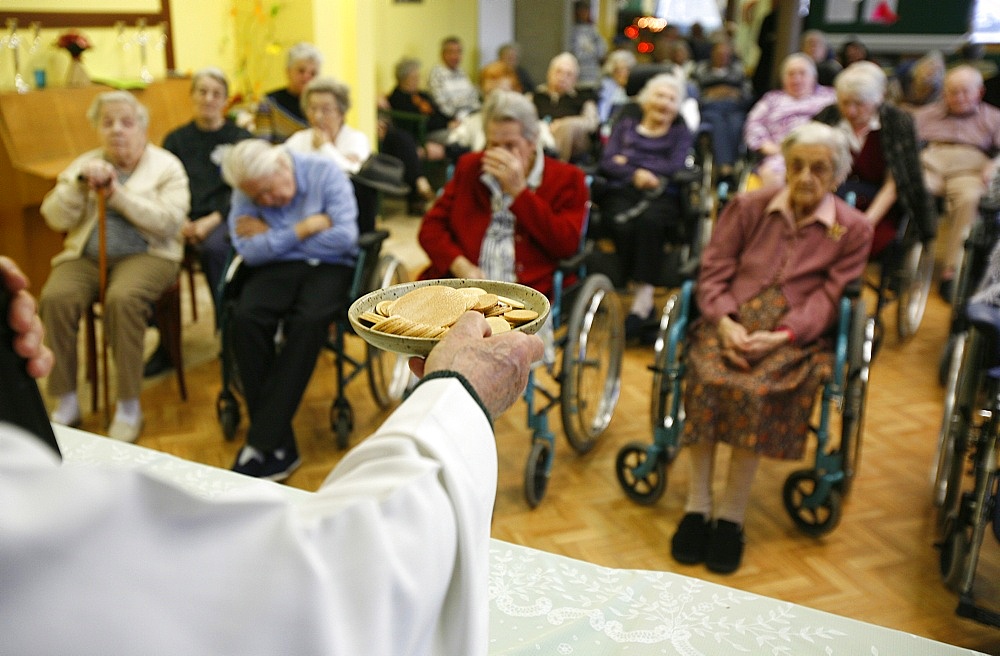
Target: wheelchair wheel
(917,269)
(954,550)
(388,373)
(592,363)
(536,472)
(647,489)
(945,447)
(812,521)
(856,394)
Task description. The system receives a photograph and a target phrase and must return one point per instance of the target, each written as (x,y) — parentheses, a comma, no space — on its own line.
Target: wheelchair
(970,506)
(388,373)
(983,236)
(591,340)
(813,497)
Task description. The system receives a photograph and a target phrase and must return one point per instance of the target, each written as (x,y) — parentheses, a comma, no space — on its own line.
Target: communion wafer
(435,305)
(382,307)
(517,317)
(498,325)
(485,302)
(517,305)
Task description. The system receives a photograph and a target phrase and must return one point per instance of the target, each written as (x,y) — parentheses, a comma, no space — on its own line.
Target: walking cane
(102,269)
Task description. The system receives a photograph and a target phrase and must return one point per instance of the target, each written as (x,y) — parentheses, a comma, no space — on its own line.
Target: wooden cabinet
(41,132)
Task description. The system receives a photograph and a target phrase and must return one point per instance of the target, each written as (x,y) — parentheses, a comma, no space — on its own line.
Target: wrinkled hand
(507,169)
(496,366)
(23,318)
(195,232)
(99,174)
(249,226)
(741,349)
(462,267)
(644,179)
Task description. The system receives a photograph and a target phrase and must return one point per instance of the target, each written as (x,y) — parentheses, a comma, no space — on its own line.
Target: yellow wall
(361,41)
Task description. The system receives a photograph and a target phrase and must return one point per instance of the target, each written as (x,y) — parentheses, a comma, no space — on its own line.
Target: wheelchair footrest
(967,608)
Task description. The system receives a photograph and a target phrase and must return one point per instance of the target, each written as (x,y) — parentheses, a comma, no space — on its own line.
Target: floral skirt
(766,409)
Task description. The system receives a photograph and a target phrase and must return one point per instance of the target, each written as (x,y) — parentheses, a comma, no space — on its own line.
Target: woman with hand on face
(147,205)
(768,291)
(509,212)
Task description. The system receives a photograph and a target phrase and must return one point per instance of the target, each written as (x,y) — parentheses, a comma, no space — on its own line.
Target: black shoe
(947,289)
(690,542)
(725,547)
(158,363)
(275,466)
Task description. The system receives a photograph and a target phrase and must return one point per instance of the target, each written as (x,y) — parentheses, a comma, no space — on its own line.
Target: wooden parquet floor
(879,565)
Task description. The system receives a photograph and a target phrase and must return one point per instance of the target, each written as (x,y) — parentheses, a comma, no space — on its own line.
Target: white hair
(863,80)
(814,133)
(252,159)
(102,99)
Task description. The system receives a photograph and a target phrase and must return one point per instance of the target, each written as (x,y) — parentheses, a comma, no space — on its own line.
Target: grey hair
(662,80)
(863,80)
(340,92)
(304,52)
(405,66)
(819,34)
(813,133)
(252,159)
(970,73)
(213,73)
(102,99)
(566,57)
(502,105)
(800,57)
(617,59)
(512,45)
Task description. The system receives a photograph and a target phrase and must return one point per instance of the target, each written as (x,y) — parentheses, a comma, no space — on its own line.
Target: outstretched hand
(23,319)
(496,366)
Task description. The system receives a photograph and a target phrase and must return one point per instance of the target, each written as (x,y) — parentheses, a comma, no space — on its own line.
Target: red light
(632,32)
(644,47)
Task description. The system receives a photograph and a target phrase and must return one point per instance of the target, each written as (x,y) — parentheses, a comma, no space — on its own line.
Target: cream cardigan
(155,199)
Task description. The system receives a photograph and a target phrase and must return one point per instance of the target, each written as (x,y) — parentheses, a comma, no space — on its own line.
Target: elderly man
(962,135)
(294,222)
(570,112)
(451,88)
(509,213)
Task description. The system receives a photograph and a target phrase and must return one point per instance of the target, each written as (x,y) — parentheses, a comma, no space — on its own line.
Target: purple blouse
(663,155)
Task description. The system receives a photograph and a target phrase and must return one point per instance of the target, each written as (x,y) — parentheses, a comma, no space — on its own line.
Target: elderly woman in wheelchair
(886,184)
(638,201)
(768,291)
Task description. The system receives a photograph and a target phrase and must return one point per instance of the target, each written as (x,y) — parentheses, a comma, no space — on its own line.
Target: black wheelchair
(983,235)
(388,373)
(813,497)
(971,499)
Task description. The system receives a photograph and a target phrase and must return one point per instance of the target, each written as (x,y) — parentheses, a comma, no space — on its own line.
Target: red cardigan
(548,225)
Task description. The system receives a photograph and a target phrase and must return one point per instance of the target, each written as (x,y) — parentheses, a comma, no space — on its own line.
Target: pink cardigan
(750,250)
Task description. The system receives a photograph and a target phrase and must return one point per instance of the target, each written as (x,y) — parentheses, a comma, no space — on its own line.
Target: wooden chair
(191,265)
(167,309)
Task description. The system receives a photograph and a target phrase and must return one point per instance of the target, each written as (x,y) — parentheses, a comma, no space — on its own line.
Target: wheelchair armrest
(853,288)
(689,269)
(686,176)
(371,240)
(573,263)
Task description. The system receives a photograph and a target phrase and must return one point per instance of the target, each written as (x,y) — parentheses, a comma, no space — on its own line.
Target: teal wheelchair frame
(814,496)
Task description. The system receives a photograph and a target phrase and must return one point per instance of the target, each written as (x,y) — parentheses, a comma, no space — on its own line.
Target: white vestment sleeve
(390,556)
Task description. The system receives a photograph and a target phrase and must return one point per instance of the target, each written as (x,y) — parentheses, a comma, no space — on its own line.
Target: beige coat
(155,198)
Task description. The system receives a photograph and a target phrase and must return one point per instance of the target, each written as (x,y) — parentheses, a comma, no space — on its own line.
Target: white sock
(248,453)
(67,409)
(742,469)
(129,411)
(702,455)
(642,301)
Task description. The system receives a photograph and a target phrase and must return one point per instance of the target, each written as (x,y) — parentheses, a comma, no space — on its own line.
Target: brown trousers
(134,283)
(955,172)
